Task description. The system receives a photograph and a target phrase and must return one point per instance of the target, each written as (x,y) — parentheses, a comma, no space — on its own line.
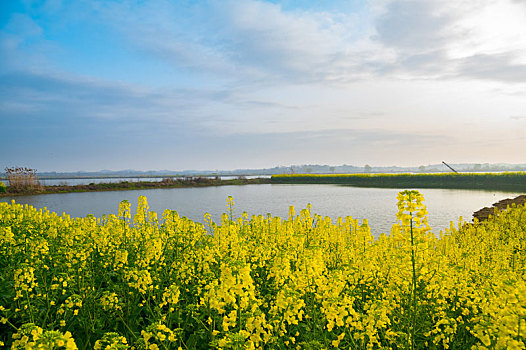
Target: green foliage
(2,187)
(307,282)
(494,181)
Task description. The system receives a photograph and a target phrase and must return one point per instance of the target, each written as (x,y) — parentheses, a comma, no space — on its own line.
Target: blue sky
(228,84)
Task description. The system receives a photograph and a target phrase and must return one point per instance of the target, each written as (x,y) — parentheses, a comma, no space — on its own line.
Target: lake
(378,205)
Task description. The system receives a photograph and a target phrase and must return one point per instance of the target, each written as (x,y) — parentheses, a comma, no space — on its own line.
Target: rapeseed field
(302,282)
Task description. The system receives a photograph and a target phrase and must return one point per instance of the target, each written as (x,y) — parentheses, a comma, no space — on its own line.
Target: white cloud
(455,39)
(498,67)
(414,26)
(265,37)
(393,69)
(52,100)
(246,41)
(495,28)
(249,42)
(170,31)
(252,42)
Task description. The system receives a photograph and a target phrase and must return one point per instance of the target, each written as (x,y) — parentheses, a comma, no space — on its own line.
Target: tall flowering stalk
(261,283)
(411,233)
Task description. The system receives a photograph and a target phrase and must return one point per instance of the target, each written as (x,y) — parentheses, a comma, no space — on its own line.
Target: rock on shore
(485,212)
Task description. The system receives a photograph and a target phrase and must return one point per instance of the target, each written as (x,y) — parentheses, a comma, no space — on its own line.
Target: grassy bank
(299,282)
(513,181)
(126,185)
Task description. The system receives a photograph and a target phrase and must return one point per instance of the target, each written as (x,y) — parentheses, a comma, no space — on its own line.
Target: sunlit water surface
(377,205)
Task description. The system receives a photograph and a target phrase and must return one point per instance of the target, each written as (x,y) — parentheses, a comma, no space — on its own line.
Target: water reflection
(378,205)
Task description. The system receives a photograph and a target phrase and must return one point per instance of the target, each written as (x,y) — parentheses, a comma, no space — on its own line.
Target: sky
(230,84)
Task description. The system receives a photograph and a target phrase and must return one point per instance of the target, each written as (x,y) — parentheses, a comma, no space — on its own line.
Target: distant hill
(293,169)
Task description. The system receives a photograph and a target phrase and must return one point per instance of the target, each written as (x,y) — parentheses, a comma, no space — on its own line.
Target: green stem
(413,322)
(128,327)
(30,308)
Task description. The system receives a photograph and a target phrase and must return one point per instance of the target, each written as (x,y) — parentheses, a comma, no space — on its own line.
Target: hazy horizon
(462,167)
(246,84)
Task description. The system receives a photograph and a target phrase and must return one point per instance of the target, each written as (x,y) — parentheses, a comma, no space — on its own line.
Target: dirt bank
(125,185)
(485,212)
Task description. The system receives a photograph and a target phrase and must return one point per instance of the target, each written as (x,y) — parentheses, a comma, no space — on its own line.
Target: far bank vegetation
(22,179)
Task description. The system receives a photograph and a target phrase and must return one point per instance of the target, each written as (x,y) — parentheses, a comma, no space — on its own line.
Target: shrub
(22,179)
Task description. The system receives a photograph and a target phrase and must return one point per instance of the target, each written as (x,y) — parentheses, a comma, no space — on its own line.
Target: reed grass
(493,181)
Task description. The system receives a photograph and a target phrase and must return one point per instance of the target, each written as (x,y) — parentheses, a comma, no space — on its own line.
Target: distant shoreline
(509,181)
(135,185)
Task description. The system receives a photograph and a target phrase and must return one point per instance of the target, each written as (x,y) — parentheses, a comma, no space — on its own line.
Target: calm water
(378,205)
